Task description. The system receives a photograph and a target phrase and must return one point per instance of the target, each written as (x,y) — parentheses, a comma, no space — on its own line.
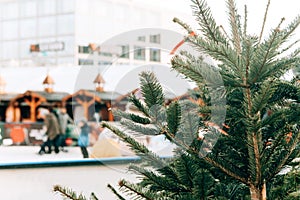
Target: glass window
(106,54)
(47,7)
(25,48)
(10,29)
(125,51)
(69,45)
(155,39)
(28,28)
(10,50)
(44,44)
(155,55)
(47,26)
(85,62)
(10,10)
(28,8)
(104,63)
(65,6)
(142,38)
(139,53)
(84,49)
(46,40)
(65,24)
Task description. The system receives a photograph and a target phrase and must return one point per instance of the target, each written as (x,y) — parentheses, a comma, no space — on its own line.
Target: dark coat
(53,128)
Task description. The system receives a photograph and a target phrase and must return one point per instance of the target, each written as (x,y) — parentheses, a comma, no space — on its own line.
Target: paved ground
(37,183)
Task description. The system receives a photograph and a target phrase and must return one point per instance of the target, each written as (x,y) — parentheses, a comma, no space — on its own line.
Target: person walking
(83,139)
(52,131)
(63,119)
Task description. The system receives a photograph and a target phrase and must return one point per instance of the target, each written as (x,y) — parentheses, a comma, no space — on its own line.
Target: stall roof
(106,95)
(53,96)
(7,96)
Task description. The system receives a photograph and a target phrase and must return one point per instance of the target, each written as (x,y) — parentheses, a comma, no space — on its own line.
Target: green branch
(233,19)
(264,21)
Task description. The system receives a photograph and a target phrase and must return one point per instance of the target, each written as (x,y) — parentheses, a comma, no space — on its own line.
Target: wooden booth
(89,104)
(27,104)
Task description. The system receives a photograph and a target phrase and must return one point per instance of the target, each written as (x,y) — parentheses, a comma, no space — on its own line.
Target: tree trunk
(258,193)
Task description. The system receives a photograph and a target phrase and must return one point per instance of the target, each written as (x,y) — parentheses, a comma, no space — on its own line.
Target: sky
(256,9)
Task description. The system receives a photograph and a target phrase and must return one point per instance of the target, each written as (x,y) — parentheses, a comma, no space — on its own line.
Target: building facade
(72,32)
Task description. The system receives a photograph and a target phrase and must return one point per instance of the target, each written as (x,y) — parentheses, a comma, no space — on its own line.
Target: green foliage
(262,113)
(218,157)
(70,194)
(151,90)
(286,186)
(173,117)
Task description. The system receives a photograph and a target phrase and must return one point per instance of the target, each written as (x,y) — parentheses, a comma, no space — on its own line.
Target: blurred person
(83,139)
(63,120)
(52,131)
(97,117)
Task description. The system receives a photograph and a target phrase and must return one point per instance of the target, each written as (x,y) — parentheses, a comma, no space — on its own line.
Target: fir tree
(236,157)
(262,114)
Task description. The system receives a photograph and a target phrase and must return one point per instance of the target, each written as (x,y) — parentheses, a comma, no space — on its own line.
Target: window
(69,45)
(10,11)
(142,38)
(47,26)
(43,45)
(28,28)
(104,63)
(84,49)
(85,62)
(10,29)
(28,8)
(65,6)
(47,7)
(106,54)
(125,51)
(65,24)
(155,39)
(25,47)
(155,55)
(139,53)
(10,50)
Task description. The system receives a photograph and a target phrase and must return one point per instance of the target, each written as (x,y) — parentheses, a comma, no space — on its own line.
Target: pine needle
(264,21)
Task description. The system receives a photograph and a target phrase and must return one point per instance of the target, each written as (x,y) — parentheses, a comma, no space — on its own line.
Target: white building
(78,32)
